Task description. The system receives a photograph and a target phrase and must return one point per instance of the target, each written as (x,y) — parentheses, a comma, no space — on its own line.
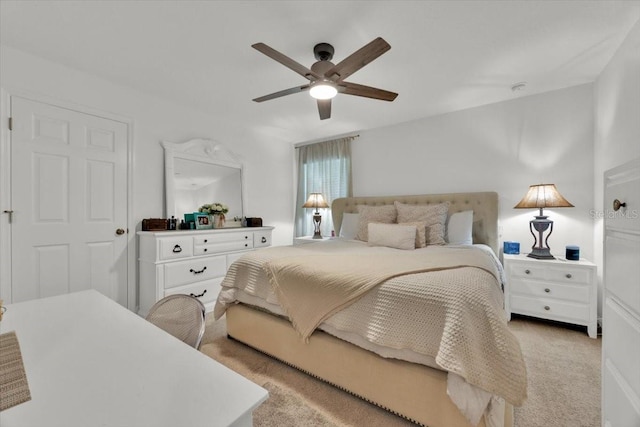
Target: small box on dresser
(555,289)
(192,262)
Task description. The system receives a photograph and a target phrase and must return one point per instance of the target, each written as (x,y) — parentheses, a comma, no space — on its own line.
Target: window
(325,168)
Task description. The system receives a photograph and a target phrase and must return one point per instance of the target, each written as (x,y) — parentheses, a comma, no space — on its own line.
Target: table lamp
(316,201)
(542,196)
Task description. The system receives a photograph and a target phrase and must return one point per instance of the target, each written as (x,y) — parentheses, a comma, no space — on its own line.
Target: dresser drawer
(223,247)
(206,291)
(209,239)
(550,309)
(262,239)
(194,270)
(574,293)
(178,247)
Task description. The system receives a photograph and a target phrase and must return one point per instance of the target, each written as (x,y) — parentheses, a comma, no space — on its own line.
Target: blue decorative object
(573,253)
(511,248)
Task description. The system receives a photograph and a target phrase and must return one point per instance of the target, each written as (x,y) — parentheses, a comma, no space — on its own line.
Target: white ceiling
(445,55)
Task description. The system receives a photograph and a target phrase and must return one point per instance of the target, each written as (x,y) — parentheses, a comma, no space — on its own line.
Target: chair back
(182,316)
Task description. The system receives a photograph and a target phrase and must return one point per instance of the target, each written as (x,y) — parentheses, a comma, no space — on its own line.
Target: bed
(418,382)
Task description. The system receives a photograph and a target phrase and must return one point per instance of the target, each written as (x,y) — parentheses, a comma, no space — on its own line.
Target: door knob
(617,204)
(120,231)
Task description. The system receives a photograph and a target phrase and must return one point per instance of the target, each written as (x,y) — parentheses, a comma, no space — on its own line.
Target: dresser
(555,289)
(192,262)
(621,304)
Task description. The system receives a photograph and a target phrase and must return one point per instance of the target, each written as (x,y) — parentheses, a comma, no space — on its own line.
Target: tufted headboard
(483,204)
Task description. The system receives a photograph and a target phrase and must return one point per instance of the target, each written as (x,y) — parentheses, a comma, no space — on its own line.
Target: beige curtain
(323,167)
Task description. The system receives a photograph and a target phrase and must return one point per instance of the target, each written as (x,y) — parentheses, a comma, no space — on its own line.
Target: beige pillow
(392,235)
(385,214)
(435,217)
(421,231)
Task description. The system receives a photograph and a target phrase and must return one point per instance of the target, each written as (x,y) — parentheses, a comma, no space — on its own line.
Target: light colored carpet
(563,367)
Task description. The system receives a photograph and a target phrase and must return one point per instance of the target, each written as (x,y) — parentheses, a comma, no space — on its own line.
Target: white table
(91,362)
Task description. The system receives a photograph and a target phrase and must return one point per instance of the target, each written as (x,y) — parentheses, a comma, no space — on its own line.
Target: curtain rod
(317,141)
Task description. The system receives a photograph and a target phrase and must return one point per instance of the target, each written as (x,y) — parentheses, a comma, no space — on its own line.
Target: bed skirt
(415,392)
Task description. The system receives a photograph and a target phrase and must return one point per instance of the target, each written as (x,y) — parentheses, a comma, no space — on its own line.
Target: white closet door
(621,307)
(69,202)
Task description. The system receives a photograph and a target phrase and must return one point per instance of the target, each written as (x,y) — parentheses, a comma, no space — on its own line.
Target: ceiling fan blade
(324,108)
(283,93)
(286,61)
(366,91)
(357,60)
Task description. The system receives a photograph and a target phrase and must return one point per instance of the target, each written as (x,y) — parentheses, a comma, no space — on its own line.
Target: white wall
(617,122)
(502,147)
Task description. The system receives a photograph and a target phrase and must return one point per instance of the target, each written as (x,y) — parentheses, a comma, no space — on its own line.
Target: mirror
(201,171)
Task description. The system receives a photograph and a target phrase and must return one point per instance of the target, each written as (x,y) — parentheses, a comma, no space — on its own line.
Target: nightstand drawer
(195,270)
(573,293)
(570,275)
(528,271)
(550,308)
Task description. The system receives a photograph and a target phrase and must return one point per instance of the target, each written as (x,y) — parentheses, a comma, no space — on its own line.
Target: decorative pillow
(421,229)
(392,235)
(349,227)
(435,216)
(385,214)
(459,228)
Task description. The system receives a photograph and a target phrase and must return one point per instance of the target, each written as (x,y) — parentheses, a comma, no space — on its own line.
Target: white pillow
(392,235)
(349,226)
(459,228)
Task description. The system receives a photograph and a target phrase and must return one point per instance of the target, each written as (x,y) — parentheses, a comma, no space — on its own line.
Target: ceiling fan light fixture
(323,90)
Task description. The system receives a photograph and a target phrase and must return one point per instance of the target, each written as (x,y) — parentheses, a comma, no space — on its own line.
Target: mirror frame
(203,151)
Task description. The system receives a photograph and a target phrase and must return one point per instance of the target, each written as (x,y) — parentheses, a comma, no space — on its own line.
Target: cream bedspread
(452,312)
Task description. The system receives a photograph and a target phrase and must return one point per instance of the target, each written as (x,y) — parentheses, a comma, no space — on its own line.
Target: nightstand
(308,239)
(555,289)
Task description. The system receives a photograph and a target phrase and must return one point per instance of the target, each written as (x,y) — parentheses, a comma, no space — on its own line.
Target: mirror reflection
(198,183)
(199,172)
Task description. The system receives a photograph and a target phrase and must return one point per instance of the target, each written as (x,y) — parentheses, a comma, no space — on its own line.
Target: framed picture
(202,221)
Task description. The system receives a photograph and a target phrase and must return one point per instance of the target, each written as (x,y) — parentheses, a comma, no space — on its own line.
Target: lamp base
(540,253)
(316,226)
(317,235)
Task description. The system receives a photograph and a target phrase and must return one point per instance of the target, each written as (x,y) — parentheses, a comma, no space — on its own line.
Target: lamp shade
(316,201)
(543,196)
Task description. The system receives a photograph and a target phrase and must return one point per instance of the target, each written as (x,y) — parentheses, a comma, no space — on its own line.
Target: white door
(621,306)
(68,202)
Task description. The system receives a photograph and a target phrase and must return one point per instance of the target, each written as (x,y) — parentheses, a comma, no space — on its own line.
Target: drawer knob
(547,290)
(205,249)
(198,271)
(246,237)
(546,307)
(199,295)
(527,271)
(617,204)
(177,249)
(264,239)
(205,240)
(568,275)
(246,245)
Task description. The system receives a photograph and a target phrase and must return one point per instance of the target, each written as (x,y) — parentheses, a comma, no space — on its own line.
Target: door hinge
(10,123)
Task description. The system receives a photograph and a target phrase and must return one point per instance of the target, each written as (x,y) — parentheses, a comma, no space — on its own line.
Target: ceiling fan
(327,79)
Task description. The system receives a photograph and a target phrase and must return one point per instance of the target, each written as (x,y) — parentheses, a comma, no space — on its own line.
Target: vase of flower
(218,220)
(216,213)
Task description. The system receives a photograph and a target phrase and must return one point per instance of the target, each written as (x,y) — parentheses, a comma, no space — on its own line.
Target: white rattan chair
(182,316)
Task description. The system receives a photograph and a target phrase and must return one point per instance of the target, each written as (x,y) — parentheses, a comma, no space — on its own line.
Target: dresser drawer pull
(546,307)
(206,240)
(527,272)
(246,237)
(263,240)
(205,250)
(568,275)
(198,271)
(246,245)
(198,296)
(547,290)
(177,249)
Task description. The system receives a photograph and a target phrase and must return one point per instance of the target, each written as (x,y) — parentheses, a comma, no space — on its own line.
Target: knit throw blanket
(312,288)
